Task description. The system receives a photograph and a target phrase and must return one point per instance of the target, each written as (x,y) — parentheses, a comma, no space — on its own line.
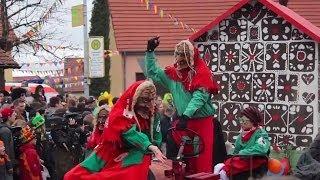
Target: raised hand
(153,43)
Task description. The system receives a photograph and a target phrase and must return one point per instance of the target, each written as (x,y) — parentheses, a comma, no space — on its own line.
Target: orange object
(274,166)
(1,143)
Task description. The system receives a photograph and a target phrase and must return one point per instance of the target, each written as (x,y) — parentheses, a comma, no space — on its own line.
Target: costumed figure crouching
(191,84)
(252,141)
(130,137)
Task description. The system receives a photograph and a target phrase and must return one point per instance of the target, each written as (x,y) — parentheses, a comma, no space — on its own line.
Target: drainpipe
(124,55)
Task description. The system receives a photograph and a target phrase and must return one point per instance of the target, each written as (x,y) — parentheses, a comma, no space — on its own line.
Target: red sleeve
(91,142)
(33,162)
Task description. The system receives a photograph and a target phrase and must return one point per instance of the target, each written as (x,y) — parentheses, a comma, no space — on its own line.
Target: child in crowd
(252,140)
(29,161)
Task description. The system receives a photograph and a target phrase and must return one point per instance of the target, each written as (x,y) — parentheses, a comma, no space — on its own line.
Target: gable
(289,15)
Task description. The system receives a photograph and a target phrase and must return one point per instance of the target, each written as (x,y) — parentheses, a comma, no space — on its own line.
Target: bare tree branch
(28,20)
(23,8)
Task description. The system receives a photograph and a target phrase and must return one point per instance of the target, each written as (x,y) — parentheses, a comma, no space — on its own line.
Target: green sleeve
(93,163)
(136,138)
(154,72)
(199,98)
(157,136)
(261,146)
(237,145)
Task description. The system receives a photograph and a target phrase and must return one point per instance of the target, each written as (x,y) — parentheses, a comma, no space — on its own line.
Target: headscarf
(122,115)
(197,76)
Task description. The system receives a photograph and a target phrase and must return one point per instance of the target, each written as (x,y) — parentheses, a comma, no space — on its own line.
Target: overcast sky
(73,35)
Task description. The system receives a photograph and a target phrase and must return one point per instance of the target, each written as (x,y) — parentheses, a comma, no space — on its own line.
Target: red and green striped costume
(123,150)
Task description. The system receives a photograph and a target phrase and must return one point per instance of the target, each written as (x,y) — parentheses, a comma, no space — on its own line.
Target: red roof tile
(134,24)
(309,9)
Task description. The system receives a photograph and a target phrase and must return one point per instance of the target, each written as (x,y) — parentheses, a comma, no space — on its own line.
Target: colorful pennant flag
(155,7)
(161,13)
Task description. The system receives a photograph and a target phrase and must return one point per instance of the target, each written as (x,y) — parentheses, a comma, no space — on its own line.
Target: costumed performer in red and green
(191,84)
(130,137)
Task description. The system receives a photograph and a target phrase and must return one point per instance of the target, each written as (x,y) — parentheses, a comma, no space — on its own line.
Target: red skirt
(112,171)
(204,128)
(236,165)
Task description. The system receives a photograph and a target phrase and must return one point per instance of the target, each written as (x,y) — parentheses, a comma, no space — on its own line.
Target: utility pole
(86,49)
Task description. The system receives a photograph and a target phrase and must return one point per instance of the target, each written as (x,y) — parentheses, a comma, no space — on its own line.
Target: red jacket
(29,163)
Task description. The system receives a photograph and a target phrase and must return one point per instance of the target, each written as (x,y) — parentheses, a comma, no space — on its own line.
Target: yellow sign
(77,15)
(95,44)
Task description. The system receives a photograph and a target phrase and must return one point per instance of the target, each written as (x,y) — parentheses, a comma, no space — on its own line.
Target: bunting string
(39,25)
(52,47)
(150,5)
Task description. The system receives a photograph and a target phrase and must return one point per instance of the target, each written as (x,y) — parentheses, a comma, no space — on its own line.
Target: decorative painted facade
(260,59)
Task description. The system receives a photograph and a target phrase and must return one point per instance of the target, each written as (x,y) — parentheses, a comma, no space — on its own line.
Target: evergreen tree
(100,27)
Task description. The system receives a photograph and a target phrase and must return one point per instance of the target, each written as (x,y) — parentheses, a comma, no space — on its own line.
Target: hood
(197,76)
(122,116)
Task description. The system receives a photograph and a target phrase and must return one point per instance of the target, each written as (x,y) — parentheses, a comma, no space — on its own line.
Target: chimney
(283,2)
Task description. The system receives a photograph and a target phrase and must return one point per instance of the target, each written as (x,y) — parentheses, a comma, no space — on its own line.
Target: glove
(153,44)
(182,123)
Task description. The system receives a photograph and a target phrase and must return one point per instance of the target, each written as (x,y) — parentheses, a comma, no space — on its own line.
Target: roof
(6,60)
(309,9)
(292,17)
(133,24)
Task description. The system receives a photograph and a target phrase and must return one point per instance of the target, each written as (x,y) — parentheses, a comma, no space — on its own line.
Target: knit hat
(6,113)
(37,121)
(27,134)
(253,114)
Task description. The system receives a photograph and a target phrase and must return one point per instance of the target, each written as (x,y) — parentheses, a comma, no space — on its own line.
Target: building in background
(132,23)
(265,55)
(73,76)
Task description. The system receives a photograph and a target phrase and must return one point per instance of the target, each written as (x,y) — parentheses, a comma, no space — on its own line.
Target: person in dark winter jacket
(308,166)
(69,138)
(39,94)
